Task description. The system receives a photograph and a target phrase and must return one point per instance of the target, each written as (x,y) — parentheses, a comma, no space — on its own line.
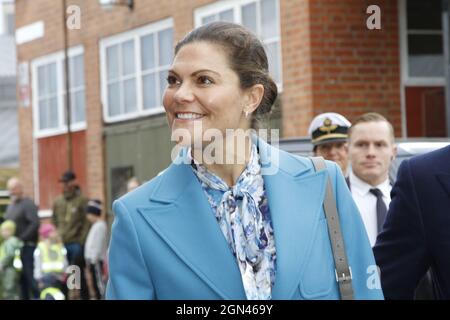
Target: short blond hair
(371,117)
(8,225)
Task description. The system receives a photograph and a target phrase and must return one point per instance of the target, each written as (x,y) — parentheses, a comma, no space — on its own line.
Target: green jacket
(69,217)
(8,252)
(9,277)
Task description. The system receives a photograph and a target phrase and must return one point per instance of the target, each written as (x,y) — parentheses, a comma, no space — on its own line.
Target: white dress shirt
(367,203)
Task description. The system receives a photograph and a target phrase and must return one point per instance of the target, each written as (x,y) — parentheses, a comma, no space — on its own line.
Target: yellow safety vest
(52,258)
(54,292)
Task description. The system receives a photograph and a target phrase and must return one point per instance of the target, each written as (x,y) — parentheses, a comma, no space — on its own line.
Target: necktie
(381,208)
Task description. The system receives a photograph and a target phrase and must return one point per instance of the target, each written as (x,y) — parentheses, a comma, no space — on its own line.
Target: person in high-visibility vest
(50,259)
(9,277)
(52,293)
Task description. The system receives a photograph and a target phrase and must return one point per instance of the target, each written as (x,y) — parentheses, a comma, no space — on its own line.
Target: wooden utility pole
(67,87)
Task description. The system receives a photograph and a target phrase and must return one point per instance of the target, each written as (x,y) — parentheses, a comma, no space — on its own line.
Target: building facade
(323,57)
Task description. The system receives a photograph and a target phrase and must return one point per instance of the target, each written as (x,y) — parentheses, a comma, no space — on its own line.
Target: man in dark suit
(416,234)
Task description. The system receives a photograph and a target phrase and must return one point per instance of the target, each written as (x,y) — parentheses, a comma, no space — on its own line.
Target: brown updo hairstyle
(245,55)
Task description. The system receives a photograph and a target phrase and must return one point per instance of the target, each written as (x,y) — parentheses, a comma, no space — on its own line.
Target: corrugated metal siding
(7,56)
(9,138)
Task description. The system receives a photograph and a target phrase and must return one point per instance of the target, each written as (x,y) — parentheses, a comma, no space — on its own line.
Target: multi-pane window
(424,38)
(135,67)
(47,96)
(121,78)
(50,92)
(260,16)
(156,57)
(76,89)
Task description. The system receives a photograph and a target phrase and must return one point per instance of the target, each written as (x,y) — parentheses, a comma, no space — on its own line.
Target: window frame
(118,39)
(236,5)
(58,58)
(407,80)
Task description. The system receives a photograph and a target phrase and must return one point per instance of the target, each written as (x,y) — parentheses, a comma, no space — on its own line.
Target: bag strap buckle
(344,276)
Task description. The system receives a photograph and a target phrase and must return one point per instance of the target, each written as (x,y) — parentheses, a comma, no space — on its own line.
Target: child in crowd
(95,249)
(9,250)
(50,261)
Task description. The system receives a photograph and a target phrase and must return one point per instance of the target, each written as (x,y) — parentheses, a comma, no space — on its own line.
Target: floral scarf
(244,218)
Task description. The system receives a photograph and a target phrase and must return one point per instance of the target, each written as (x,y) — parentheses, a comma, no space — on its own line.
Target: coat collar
(180,213)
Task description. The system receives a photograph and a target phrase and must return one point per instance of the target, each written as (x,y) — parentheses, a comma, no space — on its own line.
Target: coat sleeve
(365,277)
(55,214)
(84,224)
(400,250)
(128,274)
(31,215)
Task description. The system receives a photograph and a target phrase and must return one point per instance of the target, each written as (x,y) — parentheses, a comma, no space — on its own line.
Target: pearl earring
(246,114)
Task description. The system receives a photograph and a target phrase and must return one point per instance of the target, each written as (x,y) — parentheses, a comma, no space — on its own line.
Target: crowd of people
(35,254)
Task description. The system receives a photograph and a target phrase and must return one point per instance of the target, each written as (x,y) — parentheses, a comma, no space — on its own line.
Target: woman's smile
(188,116)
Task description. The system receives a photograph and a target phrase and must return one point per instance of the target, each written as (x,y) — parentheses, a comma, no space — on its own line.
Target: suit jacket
(416,233)
(167,244)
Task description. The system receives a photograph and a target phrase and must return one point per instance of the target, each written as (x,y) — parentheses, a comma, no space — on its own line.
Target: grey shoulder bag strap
(343,271)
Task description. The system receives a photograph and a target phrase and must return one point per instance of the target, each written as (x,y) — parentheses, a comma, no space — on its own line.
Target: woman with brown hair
(248,227)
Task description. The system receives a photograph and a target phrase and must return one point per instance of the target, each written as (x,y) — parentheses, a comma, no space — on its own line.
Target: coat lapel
(180,213)
(295,194)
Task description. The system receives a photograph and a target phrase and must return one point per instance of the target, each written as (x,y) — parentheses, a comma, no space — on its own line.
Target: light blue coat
(167,244)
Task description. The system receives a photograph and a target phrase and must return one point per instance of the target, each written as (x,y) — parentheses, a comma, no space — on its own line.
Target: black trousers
(75,256)
(97,279)
(28,286)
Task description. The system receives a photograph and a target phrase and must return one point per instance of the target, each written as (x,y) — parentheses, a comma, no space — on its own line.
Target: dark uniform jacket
(416,233)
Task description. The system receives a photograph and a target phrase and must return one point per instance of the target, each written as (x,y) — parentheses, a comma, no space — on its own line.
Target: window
(49,93)
(422,68)
(134,71)
(260,16)
(76,89)
(423,38)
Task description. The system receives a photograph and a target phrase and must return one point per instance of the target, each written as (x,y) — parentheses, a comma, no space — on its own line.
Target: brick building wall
(338,64)
(28,12)
(96,23)
(297,95)
(330,61)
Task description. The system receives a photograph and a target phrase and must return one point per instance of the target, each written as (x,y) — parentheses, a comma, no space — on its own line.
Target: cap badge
(328,126)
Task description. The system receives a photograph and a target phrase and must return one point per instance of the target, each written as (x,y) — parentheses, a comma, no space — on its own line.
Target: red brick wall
(339,65)
(53,163)
(297,95)
(96,23)
(28,12)
(331,62)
